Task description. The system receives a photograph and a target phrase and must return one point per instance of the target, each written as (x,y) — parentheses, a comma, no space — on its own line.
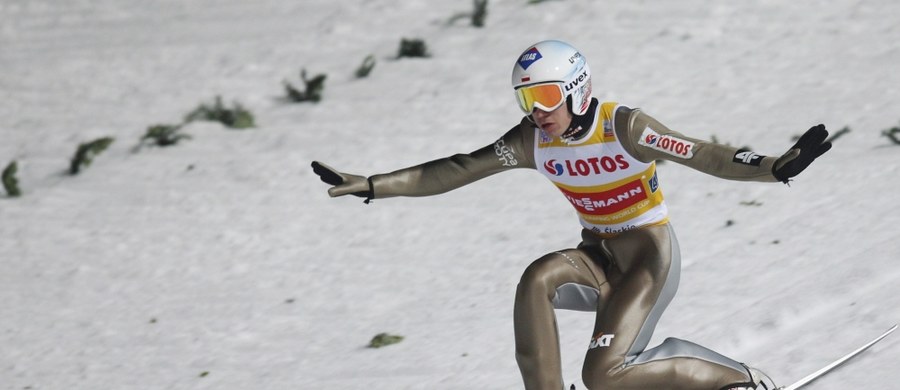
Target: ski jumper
(627,266)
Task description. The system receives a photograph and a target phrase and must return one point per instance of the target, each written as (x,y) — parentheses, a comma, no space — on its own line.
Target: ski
(824,370)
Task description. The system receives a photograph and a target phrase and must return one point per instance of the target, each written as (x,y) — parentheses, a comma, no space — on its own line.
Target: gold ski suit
(627,266)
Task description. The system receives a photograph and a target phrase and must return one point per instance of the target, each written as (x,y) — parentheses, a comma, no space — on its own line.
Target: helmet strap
(580,124)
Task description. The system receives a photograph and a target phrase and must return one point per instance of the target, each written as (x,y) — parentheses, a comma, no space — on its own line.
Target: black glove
(810,146)
(343,183)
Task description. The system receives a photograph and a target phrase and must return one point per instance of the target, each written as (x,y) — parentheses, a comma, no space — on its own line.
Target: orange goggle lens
(544,96)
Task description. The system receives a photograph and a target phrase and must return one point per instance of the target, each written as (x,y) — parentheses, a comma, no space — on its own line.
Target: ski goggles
(547,97)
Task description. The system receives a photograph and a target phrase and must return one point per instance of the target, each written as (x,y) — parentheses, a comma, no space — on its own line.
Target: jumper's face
(554,122)
(546,103)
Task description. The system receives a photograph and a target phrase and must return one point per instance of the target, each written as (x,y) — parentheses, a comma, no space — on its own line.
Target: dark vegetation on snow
(10,182)
(384,339)
(86,152)
(314,87)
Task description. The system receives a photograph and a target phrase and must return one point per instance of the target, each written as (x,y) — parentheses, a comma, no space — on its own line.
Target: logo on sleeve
(667,144)
(747,157)
(505,154)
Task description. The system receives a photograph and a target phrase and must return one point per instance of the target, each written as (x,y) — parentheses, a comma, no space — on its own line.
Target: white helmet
(552,62)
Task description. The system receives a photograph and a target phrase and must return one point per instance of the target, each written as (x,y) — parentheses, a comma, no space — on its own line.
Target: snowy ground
(221,263)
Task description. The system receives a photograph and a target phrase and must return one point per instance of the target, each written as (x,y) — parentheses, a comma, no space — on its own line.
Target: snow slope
(221,263)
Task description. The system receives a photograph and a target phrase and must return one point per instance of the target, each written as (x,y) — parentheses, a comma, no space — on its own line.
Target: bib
(611,191)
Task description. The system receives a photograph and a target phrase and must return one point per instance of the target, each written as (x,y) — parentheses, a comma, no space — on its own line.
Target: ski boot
(758,381)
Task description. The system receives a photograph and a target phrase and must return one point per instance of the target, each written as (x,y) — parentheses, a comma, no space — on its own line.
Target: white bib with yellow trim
(611,190)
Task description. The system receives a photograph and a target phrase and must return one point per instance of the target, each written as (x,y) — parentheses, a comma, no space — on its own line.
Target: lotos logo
(529,57)
(667,144)
(553,167)
(587,167)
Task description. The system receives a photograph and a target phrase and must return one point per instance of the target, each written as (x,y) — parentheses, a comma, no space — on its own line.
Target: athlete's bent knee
(601,373)
(537,278)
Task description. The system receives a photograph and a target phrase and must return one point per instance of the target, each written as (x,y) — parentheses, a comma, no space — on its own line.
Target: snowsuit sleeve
(515,149)
(647,139)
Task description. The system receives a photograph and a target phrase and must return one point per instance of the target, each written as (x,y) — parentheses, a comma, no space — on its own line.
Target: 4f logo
(601,340)
(747,157)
